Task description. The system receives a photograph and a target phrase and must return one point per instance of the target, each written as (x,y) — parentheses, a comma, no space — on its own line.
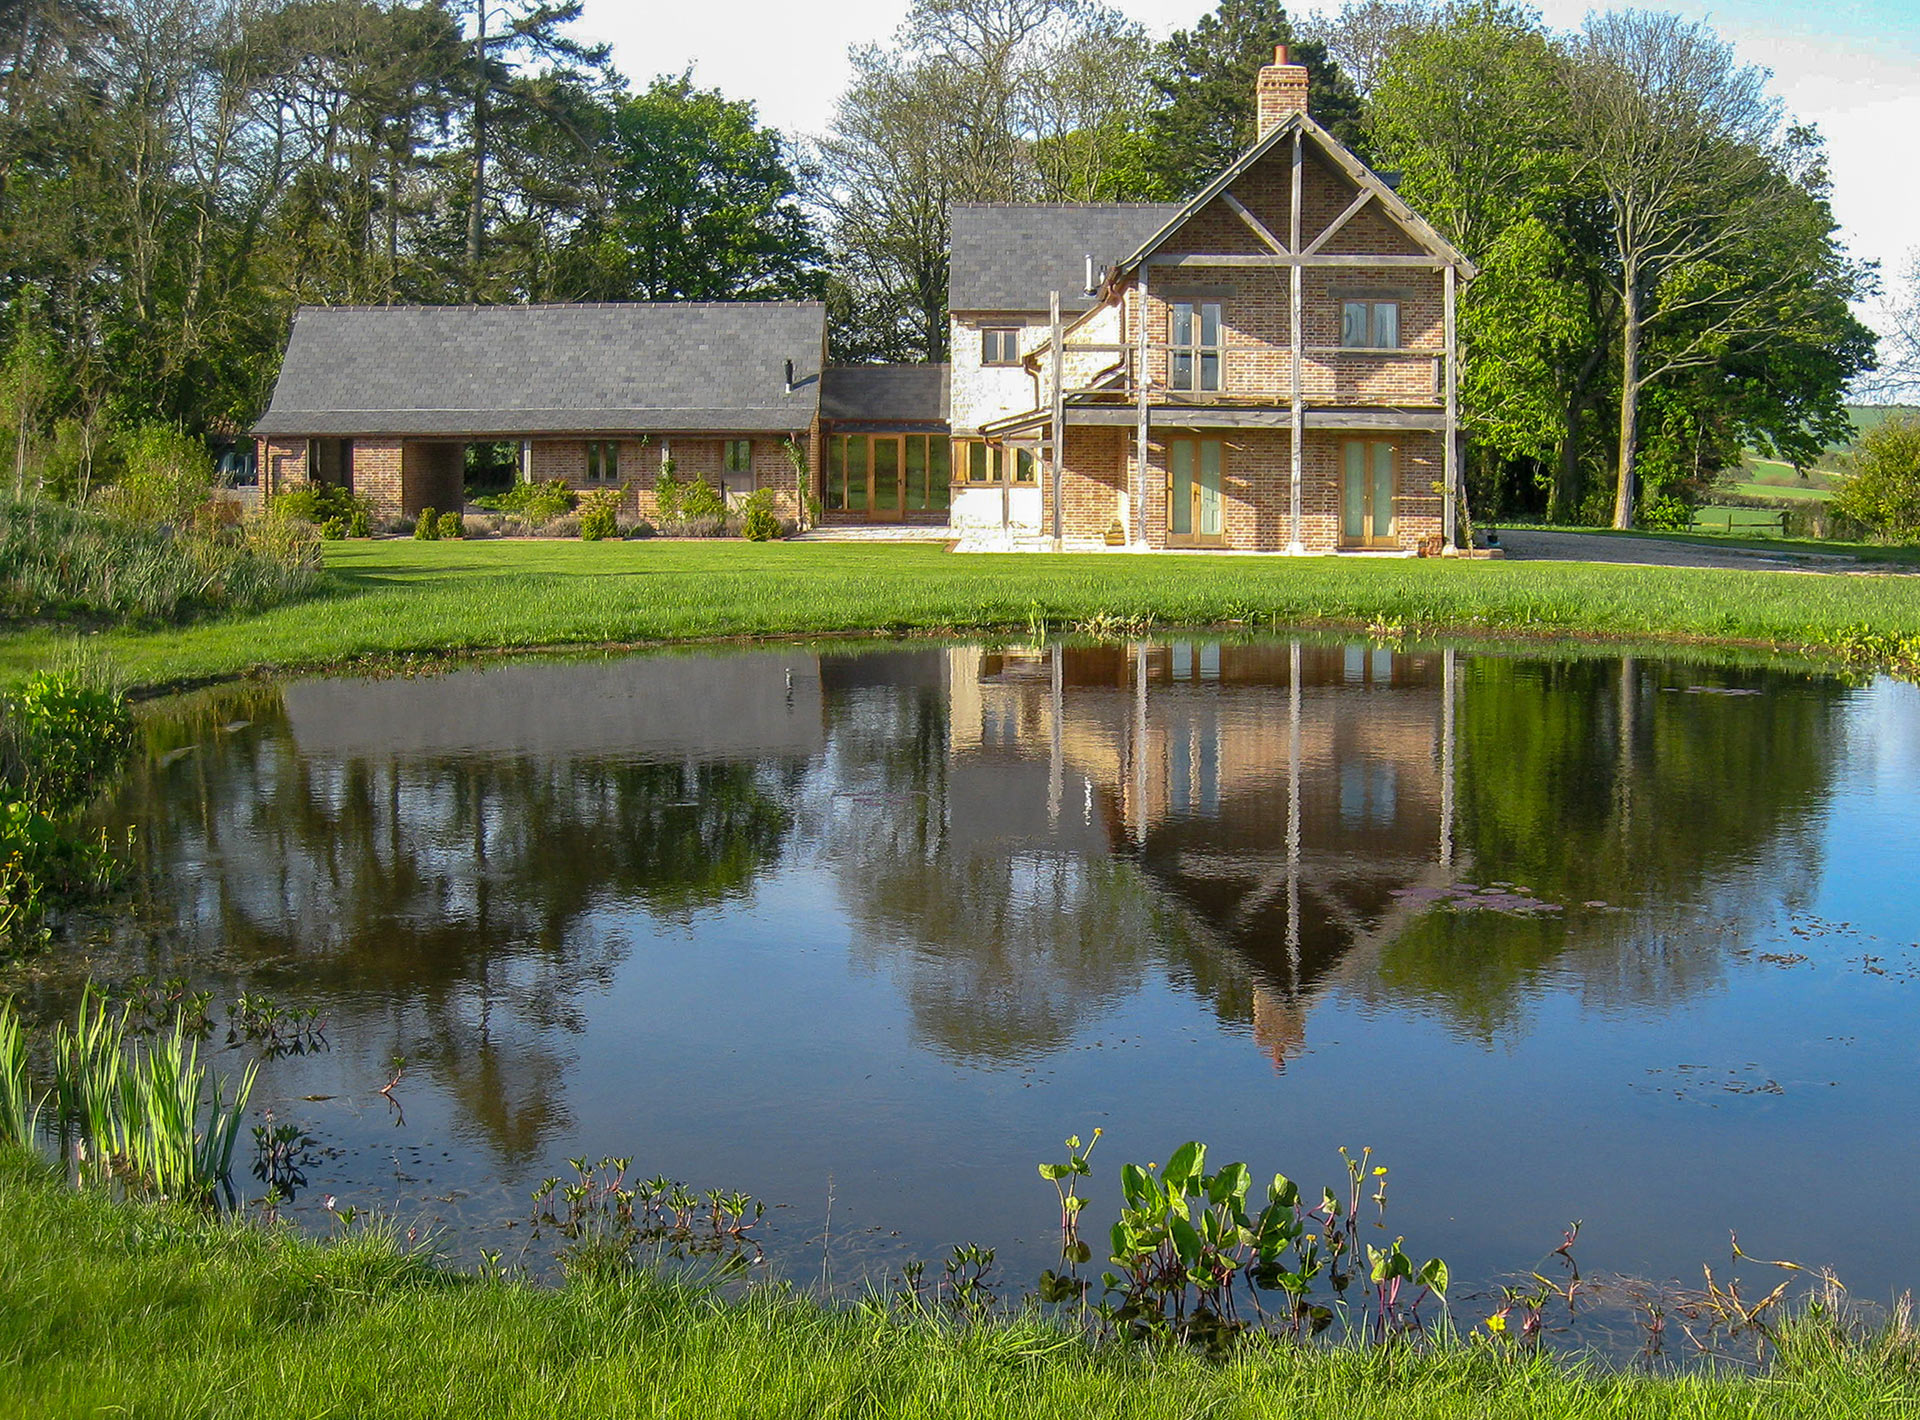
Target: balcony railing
(1228,374)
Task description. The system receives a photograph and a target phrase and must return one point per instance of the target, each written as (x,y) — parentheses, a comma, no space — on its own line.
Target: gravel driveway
(1532,546)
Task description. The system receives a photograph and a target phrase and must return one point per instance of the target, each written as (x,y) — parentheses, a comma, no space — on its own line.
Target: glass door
(887,502)
(1367,481)
(1196,510)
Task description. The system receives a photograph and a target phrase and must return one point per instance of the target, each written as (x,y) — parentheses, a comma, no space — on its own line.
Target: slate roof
(1009,257)
(672,367)
(884,394)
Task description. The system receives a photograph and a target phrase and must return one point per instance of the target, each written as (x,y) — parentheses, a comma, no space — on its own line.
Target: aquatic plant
(19,1110)
(605,1221)
(143,1115)
(1187,1239)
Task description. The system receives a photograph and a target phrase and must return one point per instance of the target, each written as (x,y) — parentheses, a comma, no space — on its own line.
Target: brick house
(1269,366)
(385,399)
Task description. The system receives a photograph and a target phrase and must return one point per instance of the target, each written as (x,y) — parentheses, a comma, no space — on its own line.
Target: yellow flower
(1496,1323)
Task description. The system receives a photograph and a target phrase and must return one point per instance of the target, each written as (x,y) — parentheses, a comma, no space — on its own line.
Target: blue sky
(1850,66)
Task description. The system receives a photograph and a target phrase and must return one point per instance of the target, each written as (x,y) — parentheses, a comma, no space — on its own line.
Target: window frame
(1196,353)
(729,448)
(1006,338)
(603,461)
(1371,322)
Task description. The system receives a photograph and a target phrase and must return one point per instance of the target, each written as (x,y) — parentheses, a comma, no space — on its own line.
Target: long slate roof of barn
(451,371)
(1009,257)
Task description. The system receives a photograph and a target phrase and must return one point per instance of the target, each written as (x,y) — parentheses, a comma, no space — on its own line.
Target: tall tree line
(177,175)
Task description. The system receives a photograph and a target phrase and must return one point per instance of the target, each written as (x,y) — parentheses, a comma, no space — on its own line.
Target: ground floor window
(603,461)
(736,456)
(1367,478)
(981,462)
(887,475)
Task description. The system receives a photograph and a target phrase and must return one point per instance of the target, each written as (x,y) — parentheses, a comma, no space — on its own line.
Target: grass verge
(124,1309)
(399,598)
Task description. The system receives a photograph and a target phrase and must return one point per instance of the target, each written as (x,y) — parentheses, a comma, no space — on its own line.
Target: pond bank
(399,599)
(152,1312)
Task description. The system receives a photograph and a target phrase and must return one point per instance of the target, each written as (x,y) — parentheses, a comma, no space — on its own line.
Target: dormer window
(1370,325)
(1195,357)
(1000,345)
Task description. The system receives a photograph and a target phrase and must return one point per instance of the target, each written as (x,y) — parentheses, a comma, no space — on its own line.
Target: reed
(19,1110)
(145,1115)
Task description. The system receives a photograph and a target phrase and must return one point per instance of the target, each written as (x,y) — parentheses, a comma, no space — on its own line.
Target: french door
(1368,476)
(1196,512)
(885,476)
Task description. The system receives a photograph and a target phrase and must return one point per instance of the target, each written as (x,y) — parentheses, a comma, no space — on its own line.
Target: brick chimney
(1280,91)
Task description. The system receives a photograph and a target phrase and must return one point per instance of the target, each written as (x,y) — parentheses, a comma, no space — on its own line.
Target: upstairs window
(736,455)
(1195,363)
(1370,325)
(1000,345)
(603,461)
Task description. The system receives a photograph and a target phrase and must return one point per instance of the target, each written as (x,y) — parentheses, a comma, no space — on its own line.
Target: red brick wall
(283,465)
(1257,302)
(377,475)
(1090,483)
(1256,484)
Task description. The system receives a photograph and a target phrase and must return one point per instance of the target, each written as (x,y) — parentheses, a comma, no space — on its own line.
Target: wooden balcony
(1345,376)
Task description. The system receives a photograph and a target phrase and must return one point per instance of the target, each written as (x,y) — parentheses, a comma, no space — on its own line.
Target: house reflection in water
(1284,797)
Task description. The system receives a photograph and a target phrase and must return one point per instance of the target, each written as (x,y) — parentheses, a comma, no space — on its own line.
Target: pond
(867,933)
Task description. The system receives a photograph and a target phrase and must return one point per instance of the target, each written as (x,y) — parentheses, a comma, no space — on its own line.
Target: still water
(866,934)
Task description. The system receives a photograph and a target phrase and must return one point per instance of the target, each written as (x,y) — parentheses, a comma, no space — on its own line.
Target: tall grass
(60,562)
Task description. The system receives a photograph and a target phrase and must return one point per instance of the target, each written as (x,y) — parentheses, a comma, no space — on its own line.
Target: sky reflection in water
(1630,941)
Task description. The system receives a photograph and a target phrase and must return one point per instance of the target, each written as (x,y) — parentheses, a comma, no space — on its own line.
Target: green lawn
(114,1309)
(402,597)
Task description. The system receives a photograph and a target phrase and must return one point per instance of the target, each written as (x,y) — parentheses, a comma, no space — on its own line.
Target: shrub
(699,500)
(327,505)
(63,739)
(65,735)
(452,525)
(165,475)
(538,503)
(632,527)
(427,528)
(666,492)
(758,522)
(1882,492)
(600,514)
(566,525)
(1666,513)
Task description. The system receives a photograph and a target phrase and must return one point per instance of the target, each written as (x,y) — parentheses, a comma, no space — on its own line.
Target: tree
(1899,372)
(1206,83)
(1882,491)
(506,32)
(1467,104)
(703,205)
(973,101)
(1681,143)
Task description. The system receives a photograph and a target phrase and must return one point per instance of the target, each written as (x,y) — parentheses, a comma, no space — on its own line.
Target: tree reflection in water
(1019,840)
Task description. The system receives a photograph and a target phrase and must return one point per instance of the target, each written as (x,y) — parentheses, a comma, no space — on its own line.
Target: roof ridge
(565,306)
